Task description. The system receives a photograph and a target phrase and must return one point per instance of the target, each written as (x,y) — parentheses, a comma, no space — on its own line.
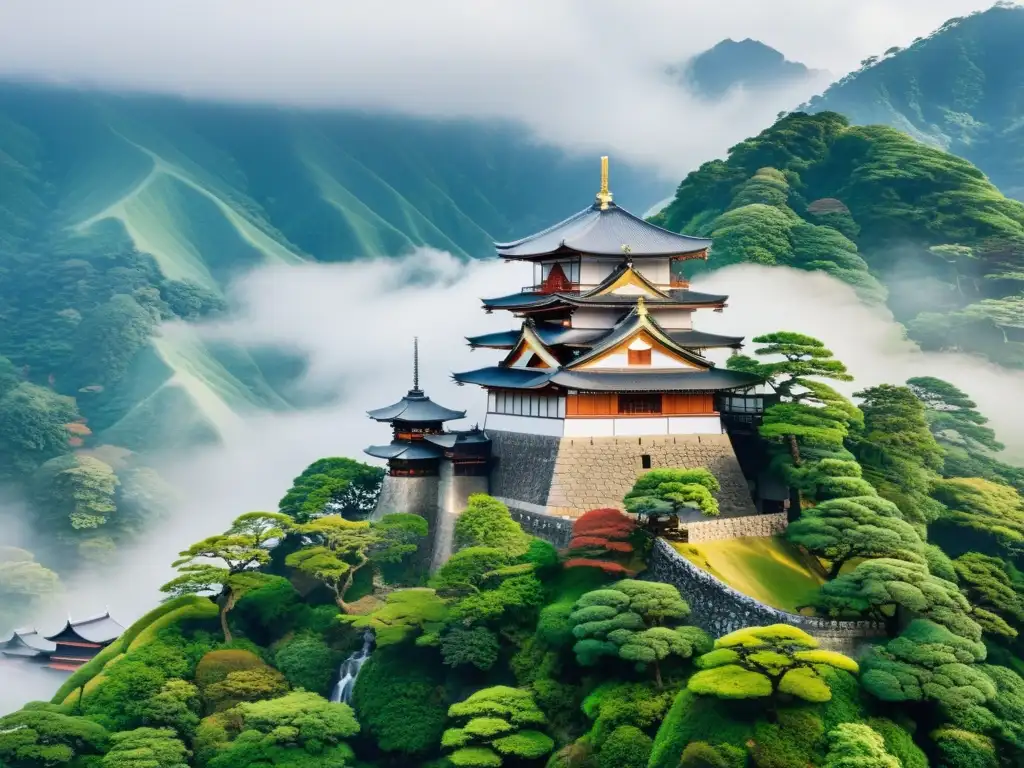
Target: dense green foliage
(952,89)
(662,492)
(335,486)
(870,206)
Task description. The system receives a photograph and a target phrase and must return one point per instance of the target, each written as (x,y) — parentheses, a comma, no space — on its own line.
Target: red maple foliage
(605,528)
(608,566)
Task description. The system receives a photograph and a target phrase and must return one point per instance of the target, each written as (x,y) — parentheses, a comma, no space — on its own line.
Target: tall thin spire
(415,362)
(604,197)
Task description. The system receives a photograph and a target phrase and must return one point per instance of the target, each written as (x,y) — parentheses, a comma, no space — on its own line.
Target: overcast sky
(582,74)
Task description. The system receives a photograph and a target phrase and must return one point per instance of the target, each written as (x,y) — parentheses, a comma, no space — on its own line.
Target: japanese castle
(604,378)
(607,345)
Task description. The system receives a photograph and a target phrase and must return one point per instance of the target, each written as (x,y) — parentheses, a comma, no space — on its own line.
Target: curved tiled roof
(410,451)
(415,406)
(712,380)
(603,232)
(553,334)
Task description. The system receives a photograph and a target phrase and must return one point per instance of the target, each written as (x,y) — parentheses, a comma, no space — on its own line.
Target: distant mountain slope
(961,89)
(876,208)
(117,212)
(748,63)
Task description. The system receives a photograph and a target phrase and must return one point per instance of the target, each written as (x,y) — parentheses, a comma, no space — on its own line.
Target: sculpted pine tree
(878,588)
(981,514)
(495,723)
(673,492)
(335,549)
(929,663)
(634,621)
(768,662)
(811,412)
(996,590)
(840,530)
(242,550)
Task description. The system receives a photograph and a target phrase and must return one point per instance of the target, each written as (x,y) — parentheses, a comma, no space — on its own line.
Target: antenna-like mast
(415,362)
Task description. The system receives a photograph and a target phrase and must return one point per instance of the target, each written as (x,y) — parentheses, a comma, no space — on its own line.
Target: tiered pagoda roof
(555,334)
(609,293)
(415,407)
(600,230)
(699,375)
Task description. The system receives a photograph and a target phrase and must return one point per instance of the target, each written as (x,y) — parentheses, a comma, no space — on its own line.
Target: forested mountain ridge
(960,89)
(878,209)
(121,211)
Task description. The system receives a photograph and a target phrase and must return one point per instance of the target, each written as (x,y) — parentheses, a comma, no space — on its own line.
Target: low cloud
(587,76)
(355,324)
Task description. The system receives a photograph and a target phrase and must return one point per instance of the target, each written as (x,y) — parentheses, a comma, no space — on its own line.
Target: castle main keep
(605,376)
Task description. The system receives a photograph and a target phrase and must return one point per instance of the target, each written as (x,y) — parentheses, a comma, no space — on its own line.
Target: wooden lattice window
(639,404)
(639,356)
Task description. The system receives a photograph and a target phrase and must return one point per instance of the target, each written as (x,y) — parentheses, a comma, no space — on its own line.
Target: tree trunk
(349,578)
(657,675)
(836,566)
(227,602)
(794,450)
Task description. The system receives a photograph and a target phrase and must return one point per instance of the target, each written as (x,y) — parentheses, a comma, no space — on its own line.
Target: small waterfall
(349,671)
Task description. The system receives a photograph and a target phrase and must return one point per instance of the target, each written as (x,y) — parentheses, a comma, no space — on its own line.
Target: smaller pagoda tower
(27,645)
(432,472)
(413,419)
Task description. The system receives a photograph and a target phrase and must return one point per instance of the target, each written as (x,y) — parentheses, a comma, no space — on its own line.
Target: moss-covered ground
(769,569)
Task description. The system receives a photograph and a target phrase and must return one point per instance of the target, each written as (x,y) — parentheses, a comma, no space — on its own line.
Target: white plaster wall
(657,271)
(530,425)
(673,319)
(585,317)
(621,360)
(594,271)
(636,427)
(695,425)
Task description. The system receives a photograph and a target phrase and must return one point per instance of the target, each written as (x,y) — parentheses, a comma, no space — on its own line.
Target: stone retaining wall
(720,528)
(719,609)
(557,530)
(569,476)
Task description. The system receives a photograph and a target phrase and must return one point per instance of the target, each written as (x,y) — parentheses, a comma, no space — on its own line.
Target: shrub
(270,611)
(477,646)
(215,666)
(700,754)
(553,626)
(964,749)
(399,699)
(899,742)
(307,662)
(627,747)
(486,522)
(245,685)
(696,718)
(793,740)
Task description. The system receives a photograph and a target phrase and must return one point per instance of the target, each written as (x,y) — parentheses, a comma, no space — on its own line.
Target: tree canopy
(495,723)
(333,486)
(767,662)
(673,492)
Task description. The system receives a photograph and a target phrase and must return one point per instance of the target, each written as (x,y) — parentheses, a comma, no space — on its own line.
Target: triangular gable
(638,328)
(626,280)
(531,349)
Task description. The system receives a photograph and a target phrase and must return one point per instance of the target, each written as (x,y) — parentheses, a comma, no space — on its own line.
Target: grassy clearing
(768,569)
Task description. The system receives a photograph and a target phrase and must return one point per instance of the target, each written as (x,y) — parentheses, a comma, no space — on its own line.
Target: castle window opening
(639,404)
(645,461)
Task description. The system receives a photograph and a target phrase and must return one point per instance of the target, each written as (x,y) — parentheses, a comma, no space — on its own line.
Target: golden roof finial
(641,307)
(604,197)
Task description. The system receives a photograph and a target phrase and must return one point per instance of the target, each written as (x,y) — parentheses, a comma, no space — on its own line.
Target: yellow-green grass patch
(769,569)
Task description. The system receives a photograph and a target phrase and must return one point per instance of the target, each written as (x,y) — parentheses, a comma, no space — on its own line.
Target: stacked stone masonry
(568,476)
(556,530)
(733,527)
(719,609)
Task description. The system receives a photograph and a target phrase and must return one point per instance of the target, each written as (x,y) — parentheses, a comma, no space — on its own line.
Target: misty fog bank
(355,323)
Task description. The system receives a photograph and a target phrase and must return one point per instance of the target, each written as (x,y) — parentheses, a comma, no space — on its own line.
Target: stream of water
(349,671)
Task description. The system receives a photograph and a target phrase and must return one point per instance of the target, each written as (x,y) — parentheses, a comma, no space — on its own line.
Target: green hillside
(899,220)
(117,212)
(960,89)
